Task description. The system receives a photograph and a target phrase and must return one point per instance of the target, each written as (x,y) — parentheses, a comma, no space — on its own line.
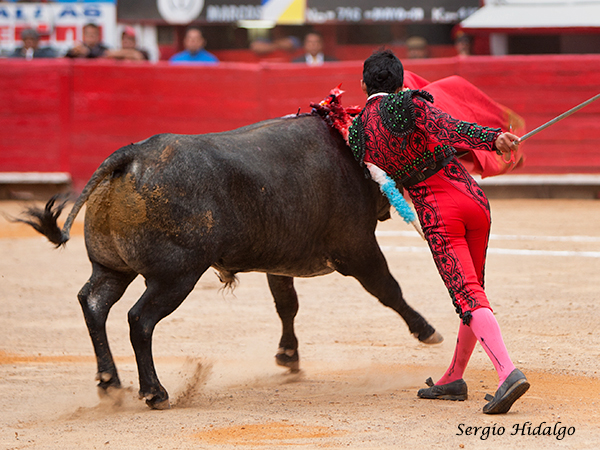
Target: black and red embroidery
(455,171)
(431,217)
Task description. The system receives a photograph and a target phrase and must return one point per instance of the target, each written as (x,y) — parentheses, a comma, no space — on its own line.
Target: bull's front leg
(286,303)
(370,268)
(391,295)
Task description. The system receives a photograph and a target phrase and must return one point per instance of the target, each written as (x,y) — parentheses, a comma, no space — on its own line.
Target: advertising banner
(186,11)
(60,25)
(296,11)
(414,11)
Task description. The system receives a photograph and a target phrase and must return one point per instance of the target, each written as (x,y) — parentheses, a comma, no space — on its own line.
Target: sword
(556,119)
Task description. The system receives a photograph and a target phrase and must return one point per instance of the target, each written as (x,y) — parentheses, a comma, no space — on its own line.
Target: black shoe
(509,392)
(457,390)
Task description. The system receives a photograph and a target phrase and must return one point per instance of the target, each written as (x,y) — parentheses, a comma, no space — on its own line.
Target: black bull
(283,196)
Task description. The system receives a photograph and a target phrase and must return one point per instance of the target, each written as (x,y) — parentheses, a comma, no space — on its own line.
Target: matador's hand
(506,142)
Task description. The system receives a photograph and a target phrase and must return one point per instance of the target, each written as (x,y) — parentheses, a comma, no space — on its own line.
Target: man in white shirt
(313,48)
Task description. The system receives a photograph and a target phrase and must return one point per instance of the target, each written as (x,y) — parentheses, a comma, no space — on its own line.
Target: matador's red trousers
(455,216)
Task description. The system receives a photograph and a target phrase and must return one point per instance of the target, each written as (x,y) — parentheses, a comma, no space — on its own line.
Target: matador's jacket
(413,142)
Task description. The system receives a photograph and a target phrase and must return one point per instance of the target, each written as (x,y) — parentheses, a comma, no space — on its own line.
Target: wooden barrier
(67,116)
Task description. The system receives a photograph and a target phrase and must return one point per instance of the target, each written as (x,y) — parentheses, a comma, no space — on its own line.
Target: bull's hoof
(288,358)
(154,402)
(434,338)
(165,404)
(107,381)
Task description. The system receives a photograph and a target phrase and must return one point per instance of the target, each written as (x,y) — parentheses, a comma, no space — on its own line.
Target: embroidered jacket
(410,139)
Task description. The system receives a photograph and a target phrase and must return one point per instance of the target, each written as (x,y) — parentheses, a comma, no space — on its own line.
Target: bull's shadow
(283,196)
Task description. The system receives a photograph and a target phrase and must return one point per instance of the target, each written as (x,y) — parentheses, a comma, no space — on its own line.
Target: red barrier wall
(59,115)
(34,116)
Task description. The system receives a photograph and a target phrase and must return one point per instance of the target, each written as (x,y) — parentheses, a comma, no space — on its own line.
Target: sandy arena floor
(361,368)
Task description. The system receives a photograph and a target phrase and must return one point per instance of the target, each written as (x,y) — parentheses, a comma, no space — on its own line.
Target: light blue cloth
(202,57)
(397,200)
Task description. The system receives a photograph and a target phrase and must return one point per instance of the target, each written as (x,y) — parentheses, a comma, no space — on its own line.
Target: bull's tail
(45,220)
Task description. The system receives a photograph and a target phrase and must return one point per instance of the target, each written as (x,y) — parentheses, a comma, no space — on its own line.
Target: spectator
(129,49)
(194,52)
(91,47)
(417,47)
(313,48)
(30,48)
(462,44)
(278,40)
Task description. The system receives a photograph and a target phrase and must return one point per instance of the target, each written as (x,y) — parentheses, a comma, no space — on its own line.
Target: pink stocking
(465,343)
(485,329)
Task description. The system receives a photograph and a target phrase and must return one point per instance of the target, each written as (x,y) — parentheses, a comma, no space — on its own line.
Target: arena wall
(67,116)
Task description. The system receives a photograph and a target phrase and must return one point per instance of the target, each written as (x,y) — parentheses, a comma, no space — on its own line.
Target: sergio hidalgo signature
(525,429)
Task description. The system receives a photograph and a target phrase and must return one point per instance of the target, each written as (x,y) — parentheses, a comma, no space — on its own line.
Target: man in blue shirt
(194,52)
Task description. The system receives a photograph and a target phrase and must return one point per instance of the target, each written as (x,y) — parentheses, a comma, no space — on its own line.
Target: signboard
(59,24)
(187,11)
(428,11)
(296,11)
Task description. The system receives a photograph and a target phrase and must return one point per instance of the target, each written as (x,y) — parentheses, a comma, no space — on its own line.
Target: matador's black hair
(383,72)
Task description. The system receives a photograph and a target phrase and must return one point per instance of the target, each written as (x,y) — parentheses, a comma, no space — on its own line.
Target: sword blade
(557,118)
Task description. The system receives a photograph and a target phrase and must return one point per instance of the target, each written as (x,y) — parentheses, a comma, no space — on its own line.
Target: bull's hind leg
(286,303)
(370,268)
(104,288)
(162,297)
